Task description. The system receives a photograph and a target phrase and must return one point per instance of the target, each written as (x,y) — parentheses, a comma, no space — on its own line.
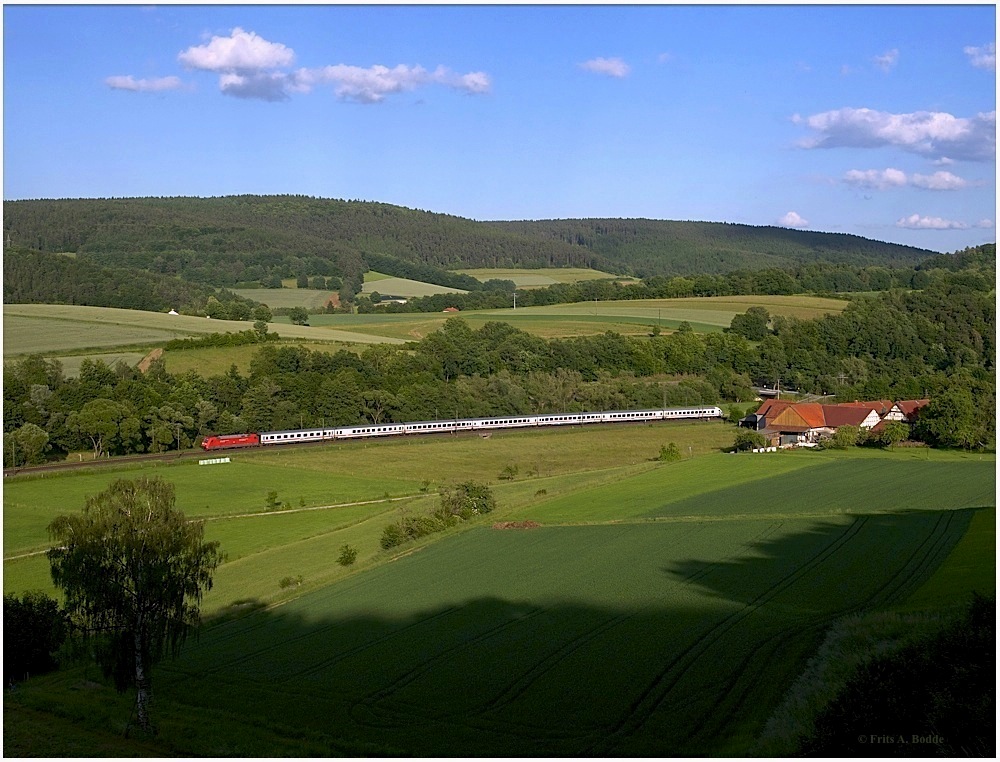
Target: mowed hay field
(657,609)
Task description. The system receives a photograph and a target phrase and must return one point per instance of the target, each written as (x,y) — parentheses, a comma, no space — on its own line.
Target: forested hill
(227,240)
(646,247)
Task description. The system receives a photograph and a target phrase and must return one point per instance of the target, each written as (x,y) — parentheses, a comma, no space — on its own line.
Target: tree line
(822,279)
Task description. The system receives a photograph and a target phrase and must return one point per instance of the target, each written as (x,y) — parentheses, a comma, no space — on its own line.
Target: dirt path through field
(146,361)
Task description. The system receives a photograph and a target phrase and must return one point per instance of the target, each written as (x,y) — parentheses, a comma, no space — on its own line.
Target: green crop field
(545,276)
(660,609)
(389,285)
(61,330)
(587,318)
(560,460)
(276,298)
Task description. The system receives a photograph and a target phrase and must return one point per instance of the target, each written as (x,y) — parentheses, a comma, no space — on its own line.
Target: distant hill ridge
(232,239)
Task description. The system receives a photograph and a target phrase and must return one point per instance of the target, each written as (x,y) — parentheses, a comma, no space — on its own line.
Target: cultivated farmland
(387,284)
(544,276)
(54,330)
(590,318)
(659,609)
(276,298)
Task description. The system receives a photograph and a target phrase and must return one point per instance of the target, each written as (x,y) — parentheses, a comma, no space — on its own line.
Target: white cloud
(916,222)
(612,67)
(887,60)
(476,82)
(928,133)
(984,57)
(240,52)
(984,224)
(939,181)
(792,220)
(373,84)
(143,85)
(877,179)
(249,66)
(262,85)
(885,179)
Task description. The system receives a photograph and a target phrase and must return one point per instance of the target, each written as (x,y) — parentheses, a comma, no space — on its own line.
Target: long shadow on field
(691,662)
(864,561)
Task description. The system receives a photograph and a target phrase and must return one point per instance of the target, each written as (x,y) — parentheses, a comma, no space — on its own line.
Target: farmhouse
(804,424)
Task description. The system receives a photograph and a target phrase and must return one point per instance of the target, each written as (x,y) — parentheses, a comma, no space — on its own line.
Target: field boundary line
(251,515)
(303,510)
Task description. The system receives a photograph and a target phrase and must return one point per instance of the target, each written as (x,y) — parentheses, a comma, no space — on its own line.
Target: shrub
(34,628)
(271,502)
(747,439)
(468,499)
(669,452)
(290,581)
(348,555)
(392,536)
(509,472)
(843,437)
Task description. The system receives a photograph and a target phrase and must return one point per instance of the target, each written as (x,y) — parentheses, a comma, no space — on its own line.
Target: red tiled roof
(845,415)
(881,406)
(909,407)
(771,408)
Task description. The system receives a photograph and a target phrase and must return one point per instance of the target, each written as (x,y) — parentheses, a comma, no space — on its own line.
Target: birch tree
(133,571)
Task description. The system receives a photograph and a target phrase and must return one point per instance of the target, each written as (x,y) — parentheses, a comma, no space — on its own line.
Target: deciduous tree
(133,571)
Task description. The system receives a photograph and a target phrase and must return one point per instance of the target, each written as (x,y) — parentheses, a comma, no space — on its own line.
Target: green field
(661,609)
(587,319)
(540,278)
(276,298)
(389,285)
(71,331)
(62,330)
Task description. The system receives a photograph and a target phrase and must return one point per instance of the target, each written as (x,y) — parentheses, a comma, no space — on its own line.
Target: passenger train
(228,441)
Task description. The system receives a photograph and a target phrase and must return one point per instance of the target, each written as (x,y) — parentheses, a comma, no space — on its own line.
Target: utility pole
(515,300)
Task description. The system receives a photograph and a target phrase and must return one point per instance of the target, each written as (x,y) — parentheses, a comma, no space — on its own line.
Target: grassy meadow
(660,609)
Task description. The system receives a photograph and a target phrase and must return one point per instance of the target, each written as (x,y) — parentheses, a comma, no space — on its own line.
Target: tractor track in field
(908,576)
(316,667)
(649,700)
(371,700)
(529,677)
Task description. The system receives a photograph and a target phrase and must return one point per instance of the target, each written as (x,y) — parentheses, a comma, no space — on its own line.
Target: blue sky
(873,120)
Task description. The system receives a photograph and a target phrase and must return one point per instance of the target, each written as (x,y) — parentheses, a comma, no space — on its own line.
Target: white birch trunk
(143,691)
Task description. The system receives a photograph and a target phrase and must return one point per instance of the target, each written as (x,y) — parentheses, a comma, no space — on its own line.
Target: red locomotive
(230,440)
